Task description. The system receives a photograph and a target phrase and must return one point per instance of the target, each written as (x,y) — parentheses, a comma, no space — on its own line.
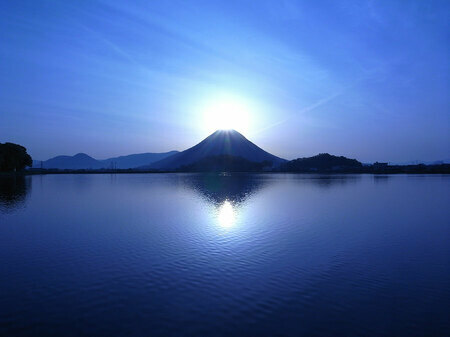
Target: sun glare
(225,113)
(226,216)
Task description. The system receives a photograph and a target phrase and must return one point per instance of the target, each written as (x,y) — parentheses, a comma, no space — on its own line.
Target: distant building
(378,165)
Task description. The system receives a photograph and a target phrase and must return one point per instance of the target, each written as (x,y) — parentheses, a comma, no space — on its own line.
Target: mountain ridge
(221,142)
(226,150)
(84,161)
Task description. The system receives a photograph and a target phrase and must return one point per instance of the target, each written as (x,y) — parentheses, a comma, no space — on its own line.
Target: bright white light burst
(225,113)
(226,216)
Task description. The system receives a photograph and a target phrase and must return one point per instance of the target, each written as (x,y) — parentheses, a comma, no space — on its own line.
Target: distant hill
(221,142)
(83,161)
(230,151)
(323,162)
(136,160)
(76,162)
(418,162)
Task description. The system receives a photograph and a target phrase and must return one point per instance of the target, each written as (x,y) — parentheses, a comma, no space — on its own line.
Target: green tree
(13,157)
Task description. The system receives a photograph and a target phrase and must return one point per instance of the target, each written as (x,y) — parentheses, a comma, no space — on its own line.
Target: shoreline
(31,173)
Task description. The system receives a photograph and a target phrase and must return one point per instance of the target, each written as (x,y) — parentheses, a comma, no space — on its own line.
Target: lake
(224,255)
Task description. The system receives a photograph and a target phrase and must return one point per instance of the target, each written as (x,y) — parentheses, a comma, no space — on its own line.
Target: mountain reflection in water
(224,255)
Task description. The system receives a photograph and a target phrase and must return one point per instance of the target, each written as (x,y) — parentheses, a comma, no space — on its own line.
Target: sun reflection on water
(226,215)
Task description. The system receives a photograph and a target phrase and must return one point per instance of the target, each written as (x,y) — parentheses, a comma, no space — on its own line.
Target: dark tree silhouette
(323,162)
(13,157)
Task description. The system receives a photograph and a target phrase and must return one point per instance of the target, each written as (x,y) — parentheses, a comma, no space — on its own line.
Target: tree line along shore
(14,159)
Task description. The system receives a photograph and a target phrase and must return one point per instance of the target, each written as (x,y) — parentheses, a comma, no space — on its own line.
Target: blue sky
(365,79)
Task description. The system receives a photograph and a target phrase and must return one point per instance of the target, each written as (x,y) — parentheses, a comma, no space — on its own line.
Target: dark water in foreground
(200,255)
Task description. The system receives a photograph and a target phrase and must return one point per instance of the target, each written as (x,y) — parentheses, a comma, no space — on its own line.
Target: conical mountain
(221,142)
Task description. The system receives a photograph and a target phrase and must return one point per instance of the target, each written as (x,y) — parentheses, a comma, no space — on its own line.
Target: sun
(226,112)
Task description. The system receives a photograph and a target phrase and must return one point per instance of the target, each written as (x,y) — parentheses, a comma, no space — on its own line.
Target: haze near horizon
(367,80)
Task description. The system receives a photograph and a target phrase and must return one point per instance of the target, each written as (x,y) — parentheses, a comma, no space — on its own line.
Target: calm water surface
(224,255)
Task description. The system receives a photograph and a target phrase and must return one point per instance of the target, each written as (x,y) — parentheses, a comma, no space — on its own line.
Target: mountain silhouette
(221,142)
(136,160)
(83,161)
(76,162)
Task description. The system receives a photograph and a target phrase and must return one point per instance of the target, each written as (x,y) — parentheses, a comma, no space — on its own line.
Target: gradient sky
(365,79)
